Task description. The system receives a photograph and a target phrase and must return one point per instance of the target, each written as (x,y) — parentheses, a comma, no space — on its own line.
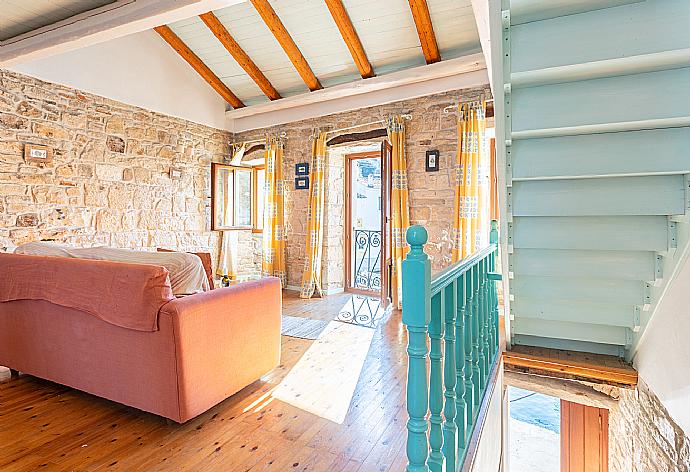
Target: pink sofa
(115,330)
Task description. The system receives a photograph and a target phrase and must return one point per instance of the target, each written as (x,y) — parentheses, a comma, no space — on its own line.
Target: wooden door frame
(348,220)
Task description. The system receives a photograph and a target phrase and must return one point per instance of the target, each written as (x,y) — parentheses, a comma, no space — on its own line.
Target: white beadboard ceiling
(385,27)
(21,16)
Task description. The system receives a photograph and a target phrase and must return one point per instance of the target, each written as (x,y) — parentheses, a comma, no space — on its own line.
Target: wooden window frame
(255,199)
(254,196)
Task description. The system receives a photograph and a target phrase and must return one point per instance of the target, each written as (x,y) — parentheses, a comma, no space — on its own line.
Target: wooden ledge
(570,365)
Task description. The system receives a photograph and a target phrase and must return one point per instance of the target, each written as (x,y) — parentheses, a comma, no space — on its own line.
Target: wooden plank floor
(45,426)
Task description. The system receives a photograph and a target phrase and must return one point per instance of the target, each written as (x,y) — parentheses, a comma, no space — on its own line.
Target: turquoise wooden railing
(454,313)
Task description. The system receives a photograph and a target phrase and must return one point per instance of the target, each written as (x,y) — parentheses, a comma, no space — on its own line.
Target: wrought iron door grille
(367,260)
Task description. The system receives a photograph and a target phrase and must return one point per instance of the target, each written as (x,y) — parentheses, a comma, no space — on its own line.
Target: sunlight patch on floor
(324,380)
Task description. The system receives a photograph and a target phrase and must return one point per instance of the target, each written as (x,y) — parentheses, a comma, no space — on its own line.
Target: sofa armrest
(225,339)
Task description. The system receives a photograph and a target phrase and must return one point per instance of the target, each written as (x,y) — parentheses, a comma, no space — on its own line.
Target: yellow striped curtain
(400,209)
(311,278)
(273,262)
(471,220)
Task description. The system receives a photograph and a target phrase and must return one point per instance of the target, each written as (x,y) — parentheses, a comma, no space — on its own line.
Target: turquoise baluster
(494,306)
(416,293)
(476,371)
(493,239)
(482,324)
(454,386)
(490,294)
(470,392)
(436,461)
(461,409)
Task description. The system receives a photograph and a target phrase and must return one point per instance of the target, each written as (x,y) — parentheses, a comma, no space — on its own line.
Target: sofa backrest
(122,294)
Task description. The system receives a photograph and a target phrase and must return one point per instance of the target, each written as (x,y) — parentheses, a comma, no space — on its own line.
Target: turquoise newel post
(476,371)
(436,461)
(470,392)
(461,417)
(493,234)
(416,302)
(454,387)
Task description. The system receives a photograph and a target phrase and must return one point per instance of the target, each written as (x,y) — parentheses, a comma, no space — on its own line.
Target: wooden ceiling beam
(350,36)
(425,30)
(197,64)
(220,32)
(285,40)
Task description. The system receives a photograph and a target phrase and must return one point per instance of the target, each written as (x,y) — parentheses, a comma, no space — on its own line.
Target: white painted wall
(139,69)
(493,438)
(663,356)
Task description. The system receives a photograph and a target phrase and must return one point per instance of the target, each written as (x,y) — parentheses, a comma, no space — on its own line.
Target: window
(236,197)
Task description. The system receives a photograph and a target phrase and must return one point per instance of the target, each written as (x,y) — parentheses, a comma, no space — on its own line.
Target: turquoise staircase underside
(593,134)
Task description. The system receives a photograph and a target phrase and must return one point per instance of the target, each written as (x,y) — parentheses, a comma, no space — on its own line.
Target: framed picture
(302,168)
(432,158)
(301,183)
(37,153)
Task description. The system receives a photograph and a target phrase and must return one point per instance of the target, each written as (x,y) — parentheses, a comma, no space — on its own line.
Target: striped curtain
(311,278)
(400,209)
(273,262)
(471,217)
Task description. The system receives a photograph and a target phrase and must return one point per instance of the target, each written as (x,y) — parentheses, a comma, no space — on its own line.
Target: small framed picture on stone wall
(432,158)
(302,168)
(38,154)
(301,183)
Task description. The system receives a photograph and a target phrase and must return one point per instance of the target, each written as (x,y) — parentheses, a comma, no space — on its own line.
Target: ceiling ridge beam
(236,51)
(198,65)
(425,30)
(351,38)
(271,19)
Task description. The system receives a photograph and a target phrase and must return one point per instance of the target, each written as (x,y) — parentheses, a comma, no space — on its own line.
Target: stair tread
(571,365)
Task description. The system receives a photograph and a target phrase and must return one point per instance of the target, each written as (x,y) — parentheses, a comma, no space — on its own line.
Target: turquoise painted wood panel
(617,233)
(599,290)
(626,265)
(640,28)
(603,154)
(651,195)
(652,95)
(569,330)
(582,311)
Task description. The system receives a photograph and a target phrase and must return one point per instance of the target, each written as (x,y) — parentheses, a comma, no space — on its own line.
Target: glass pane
(365,211)
(223,197)
(243,197)
(260,184)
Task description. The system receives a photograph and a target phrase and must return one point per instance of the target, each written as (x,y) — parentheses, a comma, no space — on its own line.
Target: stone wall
(109,183)
(431,193)
(643,437)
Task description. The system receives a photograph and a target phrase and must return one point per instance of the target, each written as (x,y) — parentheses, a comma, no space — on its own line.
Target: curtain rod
(407,117)
(450,108)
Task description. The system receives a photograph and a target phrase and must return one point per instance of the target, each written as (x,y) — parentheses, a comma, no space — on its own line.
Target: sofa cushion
(122,294)
(205,261)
